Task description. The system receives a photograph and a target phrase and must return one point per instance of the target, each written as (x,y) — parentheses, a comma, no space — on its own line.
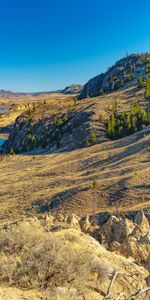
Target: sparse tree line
(121,124)
(127,75)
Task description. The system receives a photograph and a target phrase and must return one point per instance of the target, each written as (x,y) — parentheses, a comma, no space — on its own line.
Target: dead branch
(138,293)
(112,282)
(119,296)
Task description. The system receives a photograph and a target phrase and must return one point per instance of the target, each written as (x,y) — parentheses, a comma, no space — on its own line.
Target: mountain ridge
(123,71)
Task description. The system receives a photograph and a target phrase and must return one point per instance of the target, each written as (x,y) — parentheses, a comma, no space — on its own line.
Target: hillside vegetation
(72,161)
(75,190)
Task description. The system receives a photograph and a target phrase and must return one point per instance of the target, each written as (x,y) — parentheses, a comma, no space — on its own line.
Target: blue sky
(46,45)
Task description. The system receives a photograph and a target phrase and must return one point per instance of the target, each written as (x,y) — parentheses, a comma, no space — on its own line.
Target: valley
(75,176)
(60,177)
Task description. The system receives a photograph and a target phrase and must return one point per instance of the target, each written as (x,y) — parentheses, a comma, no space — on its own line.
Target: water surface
(3,110)
(2,141)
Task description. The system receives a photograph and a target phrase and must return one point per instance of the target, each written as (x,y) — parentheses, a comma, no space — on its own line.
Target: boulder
(142,221)
(85,224)
(73,220)
(132,247)
(118,229)
(49,220)
(115,246)
(60,217)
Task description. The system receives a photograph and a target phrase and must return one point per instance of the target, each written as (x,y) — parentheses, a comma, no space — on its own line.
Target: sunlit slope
(63,181)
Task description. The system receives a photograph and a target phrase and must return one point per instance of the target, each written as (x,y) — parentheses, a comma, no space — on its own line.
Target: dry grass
(31,183)
(64,264)
(34,258)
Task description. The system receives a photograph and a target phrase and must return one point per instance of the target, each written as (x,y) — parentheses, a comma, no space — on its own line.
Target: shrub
(140,82)
(29,112)
(92,138)
(142,200)
(94,184)
(59,122)
(87,143)
(11,151)
(32,257)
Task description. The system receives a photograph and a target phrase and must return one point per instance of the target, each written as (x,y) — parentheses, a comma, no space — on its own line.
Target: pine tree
(147,89)
(112,120)
(54,121)
(140,82)
(93,138)
(101,118)
(131,73)
(108,128)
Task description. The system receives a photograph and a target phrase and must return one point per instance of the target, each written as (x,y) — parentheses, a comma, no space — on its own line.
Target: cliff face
(117,76)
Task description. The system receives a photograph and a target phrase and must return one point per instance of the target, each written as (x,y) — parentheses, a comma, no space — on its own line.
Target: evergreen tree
(122,124)
(93,138)
(54,121)
(101,118)
(147,89)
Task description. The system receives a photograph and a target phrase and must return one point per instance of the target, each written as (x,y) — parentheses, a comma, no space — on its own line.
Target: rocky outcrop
(129,238)
(142,221)
(76,266)
(85,224)
(72,89)
(116,77)
(73,221)
(121,235)
(117,229)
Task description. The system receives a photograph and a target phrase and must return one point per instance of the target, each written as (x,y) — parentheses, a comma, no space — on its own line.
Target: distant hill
(73,89)
(12,95)
(117,76)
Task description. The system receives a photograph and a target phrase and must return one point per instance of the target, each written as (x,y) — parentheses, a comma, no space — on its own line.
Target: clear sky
(46,44)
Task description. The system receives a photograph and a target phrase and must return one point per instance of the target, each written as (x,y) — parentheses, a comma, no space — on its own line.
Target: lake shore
(4,135)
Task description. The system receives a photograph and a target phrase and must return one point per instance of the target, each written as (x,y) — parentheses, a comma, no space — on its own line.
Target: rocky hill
(117,76)
(73,89)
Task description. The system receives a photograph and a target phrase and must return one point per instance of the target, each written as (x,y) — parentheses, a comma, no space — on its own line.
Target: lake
(2,141)
(2,111)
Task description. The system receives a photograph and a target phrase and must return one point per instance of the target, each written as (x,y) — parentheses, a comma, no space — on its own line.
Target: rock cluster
(129,238)
(119,234)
